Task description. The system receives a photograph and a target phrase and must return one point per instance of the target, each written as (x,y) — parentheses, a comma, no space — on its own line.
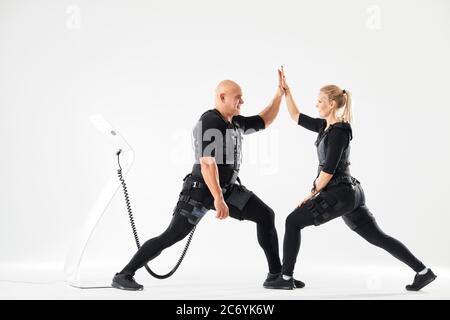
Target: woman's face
(324,105)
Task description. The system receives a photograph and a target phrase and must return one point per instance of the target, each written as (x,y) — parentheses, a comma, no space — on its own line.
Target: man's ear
(222,97)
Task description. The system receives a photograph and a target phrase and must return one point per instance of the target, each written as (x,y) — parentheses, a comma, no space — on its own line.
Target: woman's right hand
(283,81)
(290,103)
(280,90)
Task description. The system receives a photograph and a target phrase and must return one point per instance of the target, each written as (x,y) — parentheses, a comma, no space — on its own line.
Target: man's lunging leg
(178,229)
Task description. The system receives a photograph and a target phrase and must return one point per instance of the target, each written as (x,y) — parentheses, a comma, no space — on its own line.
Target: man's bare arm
(210,174)
(269,113)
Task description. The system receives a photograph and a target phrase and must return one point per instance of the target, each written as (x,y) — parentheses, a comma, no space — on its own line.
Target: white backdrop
(150,68)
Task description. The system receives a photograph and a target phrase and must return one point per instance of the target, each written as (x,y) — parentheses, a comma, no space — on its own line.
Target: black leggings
(255,210)
(359,220)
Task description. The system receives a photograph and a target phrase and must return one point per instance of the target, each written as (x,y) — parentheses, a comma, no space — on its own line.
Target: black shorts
(196,202)
(346,200)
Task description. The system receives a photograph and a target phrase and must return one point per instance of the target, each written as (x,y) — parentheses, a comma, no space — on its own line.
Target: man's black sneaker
(421,280)
(280,283)
(272,276)
(125,281)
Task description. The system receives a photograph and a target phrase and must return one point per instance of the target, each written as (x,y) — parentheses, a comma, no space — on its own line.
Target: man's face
(232,101)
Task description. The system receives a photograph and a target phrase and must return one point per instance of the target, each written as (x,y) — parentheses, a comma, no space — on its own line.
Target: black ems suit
(342,196)
(216,137)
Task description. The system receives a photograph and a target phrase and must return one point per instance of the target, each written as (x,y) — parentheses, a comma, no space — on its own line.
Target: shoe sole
(282,288)
(118,286)
(423,285)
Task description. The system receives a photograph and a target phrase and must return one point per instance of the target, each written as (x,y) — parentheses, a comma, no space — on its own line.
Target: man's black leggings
(255,210)
(347,201)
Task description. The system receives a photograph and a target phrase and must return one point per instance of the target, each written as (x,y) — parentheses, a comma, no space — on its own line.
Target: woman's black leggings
(255,210)
(340,201)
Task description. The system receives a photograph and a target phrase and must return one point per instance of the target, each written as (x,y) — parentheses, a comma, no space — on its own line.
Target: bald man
(212,183)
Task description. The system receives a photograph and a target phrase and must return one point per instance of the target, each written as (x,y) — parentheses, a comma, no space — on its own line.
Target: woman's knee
(299,218)
(291,222)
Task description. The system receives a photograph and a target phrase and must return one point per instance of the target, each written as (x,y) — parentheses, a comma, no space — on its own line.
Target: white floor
(322,282)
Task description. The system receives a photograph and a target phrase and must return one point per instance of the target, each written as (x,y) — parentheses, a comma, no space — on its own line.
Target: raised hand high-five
(291,105)
(280,90)
(283,83)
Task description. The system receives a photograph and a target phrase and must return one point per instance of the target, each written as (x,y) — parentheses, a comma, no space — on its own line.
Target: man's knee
(170,238)
(265,218)
(176,232)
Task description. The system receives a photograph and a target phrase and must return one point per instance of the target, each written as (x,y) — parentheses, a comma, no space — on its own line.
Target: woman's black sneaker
(272,276)
(125,281)
(299,284)
(280,283)
(421,280)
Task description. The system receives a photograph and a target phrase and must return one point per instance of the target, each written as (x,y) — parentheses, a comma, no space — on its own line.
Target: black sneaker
(280,283)
(125,281)
(421,280)
(272,276)
(298,284)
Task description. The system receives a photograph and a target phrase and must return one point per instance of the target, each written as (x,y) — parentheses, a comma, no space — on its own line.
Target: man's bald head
(229,97)
(227,86)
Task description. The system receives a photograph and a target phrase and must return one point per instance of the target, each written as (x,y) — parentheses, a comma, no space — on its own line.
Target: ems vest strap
(187,199)
(227,175)
(342,179)
(324,204)
(189,184)
(310,206)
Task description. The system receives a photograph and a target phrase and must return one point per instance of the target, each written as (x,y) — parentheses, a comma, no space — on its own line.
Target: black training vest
(232,149)
(322,146)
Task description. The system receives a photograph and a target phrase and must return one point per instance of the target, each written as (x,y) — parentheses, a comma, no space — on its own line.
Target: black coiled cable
(133,227)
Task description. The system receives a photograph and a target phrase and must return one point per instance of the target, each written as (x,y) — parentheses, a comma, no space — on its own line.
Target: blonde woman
(335,192)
